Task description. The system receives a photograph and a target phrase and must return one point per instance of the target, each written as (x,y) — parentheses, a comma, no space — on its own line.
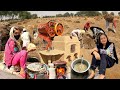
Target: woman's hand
(96,54)
(31,50)
(31,47)
(95,49)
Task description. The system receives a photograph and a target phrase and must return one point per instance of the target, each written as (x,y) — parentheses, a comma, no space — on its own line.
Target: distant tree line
(82,13)
(11,15)
(21,15)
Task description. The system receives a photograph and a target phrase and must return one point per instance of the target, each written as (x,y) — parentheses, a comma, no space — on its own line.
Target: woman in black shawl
(104,56)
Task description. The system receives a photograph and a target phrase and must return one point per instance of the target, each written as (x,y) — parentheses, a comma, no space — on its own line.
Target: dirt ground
(71,23)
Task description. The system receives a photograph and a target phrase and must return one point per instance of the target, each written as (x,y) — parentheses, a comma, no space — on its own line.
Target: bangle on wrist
(93,51)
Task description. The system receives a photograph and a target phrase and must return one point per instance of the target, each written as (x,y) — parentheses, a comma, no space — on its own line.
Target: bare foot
(101,76)
(92,74)
(16,73)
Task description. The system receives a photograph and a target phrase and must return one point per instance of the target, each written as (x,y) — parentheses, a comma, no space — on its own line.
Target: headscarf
(24,29)
(11,33)
(13,38)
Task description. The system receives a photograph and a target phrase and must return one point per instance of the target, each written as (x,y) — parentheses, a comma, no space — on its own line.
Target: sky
(53,13)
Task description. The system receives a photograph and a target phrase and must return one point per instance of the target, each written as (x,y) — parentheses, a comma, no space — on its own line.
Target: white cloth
(24,29)
(52,74)
(97,31)
(11,33)
(12,37)
(78,33)
(25,37)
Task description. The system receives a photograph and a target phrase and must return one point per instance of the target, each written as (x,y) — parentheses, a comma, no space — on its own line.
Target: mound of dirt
(88,42)
(1,55)
(4,34)
(69,25)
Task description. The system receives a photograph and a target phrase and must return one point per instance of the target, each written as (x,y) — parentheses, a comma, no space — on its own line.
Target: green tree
(2,14)
(9,14)
(112,13)
(15,13)
(88,13)
(59,15)
(104,12)
(119,13)
(34,16)
(24,15)
(78,14)
(5,13)
(66,14)
(12,14)
(92,13)
(71,14)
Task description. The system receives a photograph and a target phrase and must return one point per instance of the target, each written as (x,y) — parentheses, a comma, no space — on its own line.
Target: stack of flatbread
(31,47)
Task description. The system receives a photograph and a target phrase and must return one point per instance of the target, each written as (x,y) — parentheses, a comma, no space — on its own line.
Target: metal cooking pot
(85,62)
(79,74)
(36,73)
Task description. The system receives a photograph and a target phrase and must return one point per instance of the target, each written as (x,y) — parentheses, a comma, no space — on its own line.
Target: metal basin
(36,71)
(80,74)
(85,62)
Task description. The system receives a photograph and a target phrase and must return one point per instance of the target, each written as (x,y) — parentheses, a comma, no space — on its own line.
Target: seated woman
(104,56)
(13,54)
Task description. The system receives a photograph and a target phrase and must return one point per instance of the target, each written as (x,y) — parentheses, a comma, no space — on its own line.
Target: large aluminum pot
(79,74)
(85,62)
(36,70)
